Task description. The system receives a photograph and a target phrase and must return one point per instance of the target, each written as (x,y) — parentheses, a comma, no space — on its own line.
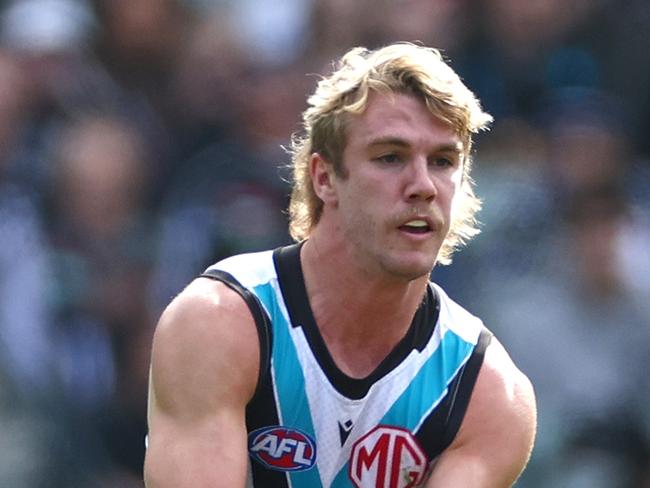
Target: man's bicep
(211,453)
(203,372)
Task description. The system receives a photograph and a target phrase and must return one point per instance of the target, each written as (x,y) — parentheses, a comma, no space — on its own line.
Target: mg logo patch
(282,448)
(387,457)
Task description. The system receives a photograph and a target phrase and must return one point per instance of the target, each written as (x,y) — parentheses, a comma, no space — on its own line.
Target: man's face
(404,167)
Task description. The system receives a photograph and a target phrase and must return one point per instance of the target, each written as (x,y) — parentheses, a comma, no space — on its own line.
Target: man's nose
(420,185)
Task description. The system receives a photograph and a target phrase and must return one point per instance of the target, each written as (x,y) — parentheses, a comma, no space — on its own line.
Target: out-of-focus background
(141,140)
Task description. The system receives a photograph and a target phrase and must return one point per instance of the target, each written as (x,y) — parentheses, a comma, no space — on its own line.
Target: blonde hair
(398,68)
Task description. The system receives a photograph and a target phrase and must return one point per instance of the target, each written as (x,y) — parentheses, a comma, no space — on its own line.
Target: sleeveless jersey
(310,425)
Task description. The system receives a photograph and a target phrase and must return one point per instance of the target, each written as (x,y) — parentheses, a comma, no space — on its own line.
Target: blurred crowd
(142,140)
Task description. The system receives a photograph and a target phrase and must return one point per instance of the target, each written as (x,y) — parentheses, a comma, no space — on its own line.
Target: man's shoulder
(504,411)
(204,309)
(504,377)
(205,332)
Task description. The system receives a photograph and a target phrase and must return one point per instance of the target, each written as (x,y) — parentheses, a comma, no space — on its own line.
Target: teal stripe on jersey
(424,392)
(429,387)
(342,479)
(289,383)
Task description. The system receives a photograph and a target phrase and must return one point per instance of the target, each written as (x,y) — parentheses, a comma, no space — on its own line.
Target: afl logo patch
(282,448)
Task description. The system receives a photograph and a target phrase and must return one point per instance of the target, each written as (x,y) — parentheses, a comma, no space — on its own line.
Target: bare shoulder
(496,438)
(500,371)
(503,401)
(205,349)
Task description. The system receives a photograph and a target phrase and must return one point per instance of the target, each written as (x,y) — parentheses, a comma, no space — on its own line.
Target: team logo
(387,457)
(282,448)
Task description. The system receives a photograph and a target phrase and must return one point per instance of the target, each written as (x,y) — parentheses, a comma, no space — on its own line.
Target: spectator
(581,333)
(101,246)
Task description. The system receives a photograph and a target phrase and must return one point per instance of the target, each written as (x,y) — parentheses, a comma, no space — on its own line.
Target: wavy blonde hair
(398,68)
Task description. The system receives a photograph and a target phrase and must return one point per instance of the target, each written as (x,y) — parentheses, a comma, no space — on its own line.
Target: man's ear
(323,179)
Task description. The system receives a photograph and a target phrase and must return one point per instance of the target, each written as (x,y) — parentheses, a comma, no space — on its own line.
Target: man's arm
(204,370)
(496,437)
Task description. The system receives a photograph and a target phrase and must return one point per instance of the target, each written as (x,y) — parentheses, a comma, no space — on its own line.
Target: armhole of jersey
(261,318)
(462,391)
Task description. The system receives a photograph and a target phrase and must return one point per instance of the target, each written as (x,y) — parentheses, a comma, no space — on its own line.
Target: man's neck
(356,312)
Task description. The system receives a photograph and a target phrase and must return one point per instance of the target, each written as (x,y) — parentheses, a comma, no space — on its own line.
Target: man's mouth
(417,226)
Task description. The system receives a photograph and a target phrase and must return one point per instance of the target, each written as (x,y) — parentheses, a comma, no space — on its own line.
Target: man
(334,362)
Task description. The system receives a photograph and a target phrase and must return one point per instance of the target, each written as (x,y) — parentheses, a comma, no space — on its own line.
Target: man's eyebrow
(451,148)
(456,148)
(388,141)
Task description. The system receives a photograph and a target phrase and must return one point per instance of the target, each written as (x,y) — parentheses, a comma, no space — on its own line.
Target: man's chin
(411,269)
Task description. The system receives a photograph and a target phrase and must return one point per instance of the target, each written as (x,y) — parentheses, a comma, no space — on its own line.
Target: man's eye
(389,158)
(443,162)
